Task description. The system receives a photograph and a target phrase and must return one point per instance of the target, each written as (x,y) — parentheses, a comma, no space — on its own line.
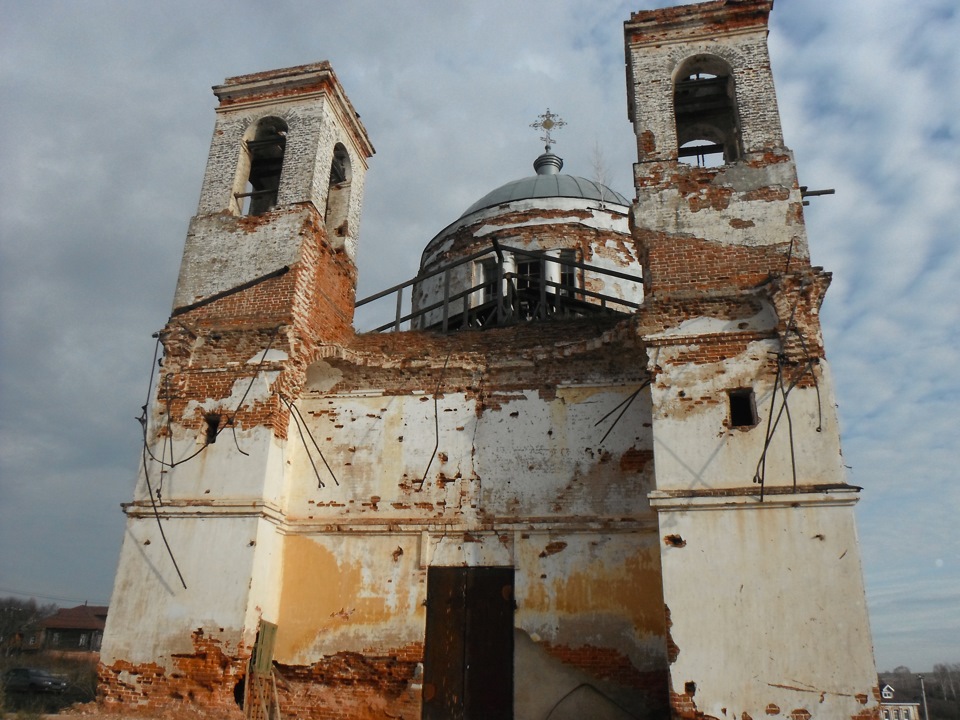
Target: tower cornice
(300,82)
(707,20)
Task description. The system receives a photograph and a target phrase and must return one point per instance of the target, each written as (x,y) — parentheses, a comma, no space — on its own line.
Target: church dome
(548,183)
(560,244)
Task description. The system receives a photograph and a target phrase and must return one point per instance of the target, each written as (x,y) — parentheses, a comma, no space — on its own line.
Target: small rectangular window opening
(743,408)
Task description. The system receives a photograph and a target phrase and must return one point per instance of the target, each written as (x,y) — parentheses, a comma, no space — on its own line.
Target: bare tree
(18,620)
(600,171)
(948,675)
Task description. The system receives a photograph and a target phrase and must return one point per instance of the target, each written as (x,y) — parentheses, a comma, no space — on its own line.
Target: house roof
(82,617)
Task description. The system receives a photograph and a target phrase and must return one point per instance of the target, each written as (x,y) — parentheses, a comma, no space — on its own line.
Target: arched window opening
(265,152)
(338,194)
(705,109)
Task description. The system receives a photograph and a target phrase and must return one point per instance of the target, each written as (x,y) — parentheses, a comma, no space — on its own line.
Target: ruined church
(588,468)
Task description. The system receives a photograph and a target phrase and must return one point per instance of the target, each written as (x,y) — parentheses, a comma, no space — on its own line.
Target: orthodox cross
(547,122)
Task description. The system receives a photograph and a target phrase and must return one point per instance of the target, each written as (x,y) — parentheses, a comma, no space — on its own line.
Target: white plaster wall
(349,593)
(696,449)
(526,485)
(151,613)
(767,604)
(532,456)
(546,688)
(223,251)
(219,512)
(353,591)
(540,458)
(218,472)
(601,589)
(266,574)
(753,223)
(379,448)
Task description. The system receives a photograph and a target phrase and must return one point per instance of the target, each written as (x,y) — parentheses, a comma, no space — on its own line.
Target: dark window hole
(213,427)
(743,408)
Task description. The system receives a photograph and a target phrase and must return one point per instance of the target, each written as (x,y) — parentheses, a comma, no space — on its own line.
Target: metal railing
(509,297)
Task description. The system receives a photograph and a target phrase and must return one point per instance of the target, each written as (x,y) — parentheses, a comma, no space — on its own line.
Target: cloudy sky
(105,119)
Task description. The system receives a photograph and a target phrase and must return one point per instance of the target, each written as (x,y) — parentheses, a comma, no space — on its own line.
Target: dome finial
(547,122)
(548,163)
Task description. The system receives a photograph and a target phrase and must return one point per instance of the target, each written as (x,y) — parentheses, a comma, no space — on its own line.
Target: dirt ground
(92,711)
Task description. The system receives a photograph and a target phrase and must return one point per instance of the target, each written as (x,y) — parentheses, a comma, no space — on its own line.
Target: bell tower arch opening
(264,146)
(338,193)
(705,111)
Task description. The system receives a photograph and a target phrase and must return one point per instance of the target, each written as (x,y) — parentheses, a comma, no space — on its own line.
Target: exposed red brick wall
(797,297)
(683,706)
(684,266)
(352,686)
(326,286)
(658,314)
(208,348)
(345,686)
(484,365)
(203,679)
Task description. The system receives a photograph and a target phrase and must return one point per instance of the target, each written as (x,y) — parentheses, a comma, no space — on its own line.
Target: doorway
(468,654)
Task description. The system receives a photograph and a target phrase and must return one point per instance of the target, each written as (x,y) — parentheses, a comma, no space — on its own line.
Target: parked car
(33,680)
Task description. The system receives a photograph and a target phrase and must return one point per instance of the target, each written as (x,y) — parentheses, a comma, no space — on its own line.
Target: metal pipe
(923,693)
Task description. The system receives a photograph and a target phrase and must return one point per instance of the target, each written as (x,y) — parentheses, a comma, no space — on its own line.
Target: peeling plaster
(271,355)
(259,390)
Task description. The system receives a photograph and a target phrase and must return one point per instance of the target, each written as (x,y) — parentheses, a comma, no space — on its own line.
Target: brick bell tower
(761,569)
(267,277)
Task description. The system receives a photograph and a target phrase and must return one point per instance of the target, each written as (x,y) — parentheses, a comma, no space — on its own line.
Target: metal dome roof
(548,183)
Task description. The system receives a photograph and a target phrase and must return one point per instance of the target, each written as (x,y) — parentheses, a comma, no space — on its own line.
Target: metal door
(468,656)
